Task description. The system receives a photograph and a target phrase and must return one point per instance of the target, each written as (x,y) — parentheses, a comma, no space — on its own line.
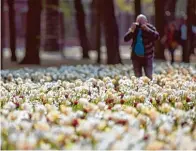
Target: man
(171,39)
(143,36)
(183,36)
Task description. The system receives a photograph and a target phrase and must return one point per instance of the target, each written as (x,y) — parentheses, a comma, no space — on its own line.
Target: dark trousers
(183,43)
(146,63)
(171,50)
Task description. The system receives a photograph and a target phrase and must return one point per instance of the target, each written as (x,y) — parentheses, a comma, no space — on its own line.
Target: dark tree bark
(52,26)
(80,21)
(12,29)
(193,13)
(171,7)
(2,32)
(160,23)
(62,33)
(190,20)
(93,25)
(137,8)
(111,31)
(98,30)
(33,33)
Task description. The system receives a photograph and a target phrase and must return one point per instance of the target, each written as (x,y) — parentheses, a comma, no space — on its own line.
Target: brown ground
(73,57)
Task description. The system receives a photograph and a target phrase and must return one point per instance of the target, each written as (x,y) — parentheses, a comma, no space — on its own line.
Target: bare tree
(12,29)
(159,22)
(2,32)
(80,21)
(111,31)
(96,29)
(33,33)
(93,25)
(52,27)
(170,7)
(62,33)
(137,7)
(191,7)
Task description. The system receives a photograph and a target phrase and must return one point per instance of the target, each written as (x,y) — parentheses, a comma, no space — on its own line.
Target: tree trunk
(62,33)
(160,23)
(2,32)
(111,31)
(190,19)
(193,13)
(98,30)
(12,29)
(52,26)
(170,7)
(93,25)
(80,21)
(33,33)
(137,8)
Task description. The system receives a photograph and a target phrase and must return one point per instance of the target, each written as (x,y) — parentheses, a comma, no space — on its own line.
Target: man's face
(141,20)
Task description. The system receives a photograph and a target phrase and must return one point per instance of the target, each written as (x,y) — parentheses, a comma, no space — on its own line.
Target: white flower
(42,126)
(40,108)
(10,106)
(101,105)
(52,110)
(83,101)
(50,100)
(65,120)
(4,112)
(85,128)
(13,137)
(110,85)
(117,107)
(100,83)
(79,114)
(178,105)
(94,81)
(78,82)
(140,106)
(26,126)
(45,146)
(69,130)
(70,85)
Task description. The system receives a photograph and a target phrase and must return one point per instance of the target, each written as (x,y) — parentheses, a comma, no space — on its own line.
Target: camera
(139,25)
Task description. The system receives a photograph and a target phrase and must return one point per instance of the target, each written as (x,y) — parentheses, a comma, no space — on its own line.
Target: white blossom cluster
(98,107)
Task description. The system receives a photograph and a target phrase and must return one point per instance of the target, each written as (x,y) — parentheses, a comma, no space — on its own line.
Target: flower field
(98,107)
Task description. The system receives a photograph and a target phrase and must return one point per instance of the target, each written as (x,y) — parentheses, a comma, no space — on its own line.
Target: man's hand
(145,27)
(133,27)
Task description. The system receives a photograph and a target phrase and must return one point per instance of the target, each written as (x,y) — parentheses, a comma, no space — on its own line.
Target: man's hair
(141,16)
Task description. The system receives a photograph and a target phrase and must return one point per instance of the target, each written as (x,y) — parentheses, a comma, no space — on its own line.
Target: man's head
(141,19)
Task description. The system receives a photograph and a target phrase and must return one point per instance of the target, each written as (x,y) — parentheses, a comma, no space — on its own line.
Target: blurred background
(45,33)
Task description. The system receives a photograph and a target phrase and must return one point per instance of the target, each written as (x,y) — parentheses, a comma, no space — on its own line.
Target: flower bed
(98,107)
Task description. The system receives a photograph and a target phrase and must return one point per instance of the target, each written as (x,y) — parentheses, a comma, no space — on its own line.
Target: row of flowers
(98,107)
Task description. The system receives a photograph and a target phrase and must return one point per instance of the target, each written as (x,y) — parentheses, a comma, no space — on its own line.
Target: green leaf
(126,7)
(66,8)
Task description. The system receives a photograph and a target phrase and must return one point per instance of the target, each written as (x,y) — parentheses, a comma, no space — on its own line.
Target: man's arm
(129,35)
(153,34)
